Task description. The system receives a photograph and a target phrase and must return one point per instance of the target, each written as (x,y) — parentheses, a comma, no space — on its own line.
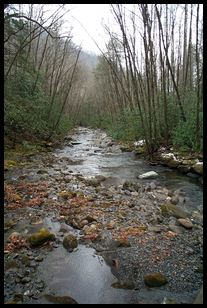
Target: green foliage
(184,134)
(65,125)
(123,126)
(26,110)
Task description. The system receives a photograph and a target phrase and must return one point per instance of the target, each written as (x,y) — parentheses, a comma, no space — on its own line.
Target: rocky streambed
(81,227)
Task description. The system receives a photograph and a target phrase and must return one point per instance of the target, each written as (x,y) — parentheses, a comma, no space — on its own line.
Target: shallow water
(85,277)
(82,275)
(92,157)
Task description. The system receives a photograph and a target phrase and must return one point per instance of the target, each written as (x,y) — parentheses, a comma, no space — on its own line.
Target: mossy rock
(9,164)
(173,210)
(140,150)
(40,237)
(173,163)
(155,280)
(67,194)
(188,162)
(70,241)
(60,299)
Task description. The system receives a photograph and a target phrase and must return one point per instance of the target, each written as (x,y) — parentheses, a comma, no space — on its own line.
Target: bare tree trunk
(170,68)
(197,83)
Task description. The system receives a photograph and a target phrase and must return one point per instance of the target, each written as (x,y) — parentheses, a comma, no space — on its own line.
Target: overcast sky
(91,16)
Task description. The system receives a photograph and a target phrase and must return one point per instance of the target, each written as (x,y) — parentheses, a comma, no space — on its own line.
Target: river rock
(122,242)
(199,297)
(64,228)
(155,280)
(83,223)
(192,175)
(26,280)
(183,169)
(40,237)
(26,260)
(168,301)
(9,224)
(148,175)
(156,229)
(176,229)
(39,258)
(126,284)
(89,229)
(153,185)
(197,217)
(173,210)
(70,241)
(15,236)
(185,223)
(199,269)
(11,264)
(60,299)
(188,162)
(175,200)
(173,163)
(198,168)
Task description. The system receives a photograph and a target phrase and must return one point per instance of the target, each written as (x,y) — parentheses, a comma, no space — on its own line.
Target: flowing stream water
(92,157)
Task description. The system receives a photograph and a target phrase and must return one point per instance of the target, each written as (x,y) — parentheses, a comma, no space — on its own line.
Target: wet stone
(33,264)
(186,223)
(55,245)
(40,285)
(39,258)
(26,280)
(155,280)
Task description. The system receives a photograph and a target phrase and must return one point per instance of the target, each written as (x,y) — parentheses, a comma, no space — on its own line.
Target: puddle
(82,275)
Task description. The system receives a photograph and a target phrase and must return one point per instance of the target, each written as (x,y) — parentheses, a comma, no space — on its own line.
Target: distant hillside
(88,59)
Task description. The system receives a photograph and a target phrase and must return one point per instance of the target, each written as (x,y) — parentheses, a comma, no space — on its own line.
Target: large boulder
(148,175)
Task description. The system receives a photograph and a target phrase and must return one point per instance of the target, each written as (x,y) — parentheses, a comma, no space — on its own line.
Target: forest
(103,154)
(147,84)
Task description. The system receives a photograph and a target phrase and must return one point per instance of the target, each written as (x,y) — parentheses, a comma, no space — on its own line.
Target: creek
(84,274)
